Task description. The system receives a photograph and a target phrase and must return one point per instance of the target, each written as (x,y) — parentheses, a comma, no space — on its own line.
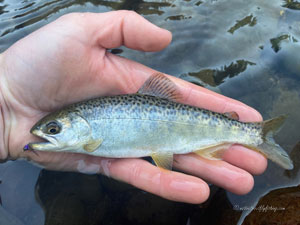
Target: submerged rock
(218,210)
(65,209)
(278,207)
(148,209)
(70,198)
(295,156)
(126,204)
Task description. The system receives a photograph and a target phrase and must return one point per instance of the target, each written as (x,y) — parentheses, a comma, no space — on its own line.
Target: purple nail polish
(26,148)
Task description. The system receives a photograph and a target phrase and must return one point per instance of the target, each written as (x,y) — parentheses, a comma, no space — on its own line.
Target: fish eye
(53,128)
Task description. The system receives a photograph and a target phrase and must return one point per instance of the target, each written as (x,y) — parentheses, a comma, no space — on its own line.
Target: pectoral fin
(163,160)
(213,152)
(92,145)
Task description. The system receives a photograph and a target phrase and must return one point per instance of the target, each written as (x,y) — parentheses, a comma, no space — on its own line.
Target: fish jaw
(49,144)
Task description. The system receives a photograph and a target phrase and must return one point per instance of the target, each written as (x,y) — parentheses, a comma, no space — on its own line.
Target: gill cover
(75,133)
(83,133)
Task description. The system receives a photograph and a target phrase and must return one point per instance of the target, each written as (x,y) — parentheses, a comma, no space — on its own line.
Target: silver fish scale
(128,124)
(147,107)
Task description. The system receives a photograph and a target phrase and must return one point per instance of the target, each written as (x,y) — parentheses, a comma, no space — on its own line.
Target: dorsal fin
(160,86)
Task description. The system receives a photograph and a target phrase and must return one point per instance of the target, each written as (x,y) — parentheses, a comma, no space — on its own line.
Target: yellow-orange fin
(92,145)
(163,160)
(213,152)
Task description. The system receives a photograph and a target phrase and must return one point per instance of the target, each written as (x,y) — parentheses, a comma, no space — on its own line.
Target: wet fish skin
(131,124)
(138,125)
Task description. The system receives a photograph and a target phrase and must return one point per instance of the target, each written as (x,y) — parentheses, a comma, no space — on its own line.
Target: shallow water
(247,50)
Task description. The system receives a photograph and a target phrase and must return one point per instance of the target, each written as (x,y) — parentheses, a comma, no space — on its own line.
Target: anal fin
(163,160)
(213,152)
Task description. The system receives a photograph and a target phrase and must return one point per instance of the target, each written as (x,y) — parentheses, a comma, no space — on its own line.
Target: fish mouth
(49,143)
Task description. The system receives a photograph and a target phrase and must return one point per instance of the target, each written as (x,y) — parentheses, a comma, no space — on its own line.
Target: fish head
(61,131)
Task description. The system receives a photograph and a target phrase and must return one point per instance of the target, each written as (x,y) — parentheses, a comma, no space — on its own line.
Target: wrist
(4,126)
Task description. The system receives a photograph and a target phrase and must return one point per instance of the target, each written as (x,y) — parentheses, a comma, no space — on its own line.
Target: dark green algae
(257,63)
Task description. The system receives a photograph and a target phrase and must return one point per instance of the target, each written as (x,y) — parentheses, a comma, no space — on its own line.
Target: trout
(153,123)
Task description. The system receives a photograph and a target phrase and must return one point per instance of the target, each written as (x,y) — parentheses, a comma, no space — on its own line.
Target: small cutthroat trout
(152,123)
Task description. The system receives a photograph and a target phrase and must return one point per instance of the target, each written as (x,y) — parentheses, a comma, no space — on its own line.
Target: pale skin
(67,61)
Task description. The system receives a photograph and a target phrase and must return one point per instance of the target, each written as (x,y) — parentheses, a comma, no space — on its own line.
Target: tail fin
(272,150)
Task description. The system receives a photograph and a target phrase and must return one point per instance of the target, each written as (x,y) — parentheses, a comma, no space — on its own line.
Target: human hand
(66,61)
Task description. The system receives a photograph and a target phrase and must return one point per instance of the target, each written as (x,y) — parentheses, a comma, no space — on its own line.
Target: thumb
(113,29)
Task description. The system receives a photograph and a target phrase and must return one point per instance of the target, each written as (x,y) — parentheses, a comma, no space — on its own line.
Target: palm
(71,71)
(67,61)
(75,69)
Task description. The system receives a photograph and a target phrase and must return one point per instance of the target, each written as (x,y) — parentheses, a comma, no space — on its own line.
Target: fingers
(113,29)
(217,172)
(133,75)
(117,28)
(249,160)
(139,173)
(229,174)
(204,98)
(167,184)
